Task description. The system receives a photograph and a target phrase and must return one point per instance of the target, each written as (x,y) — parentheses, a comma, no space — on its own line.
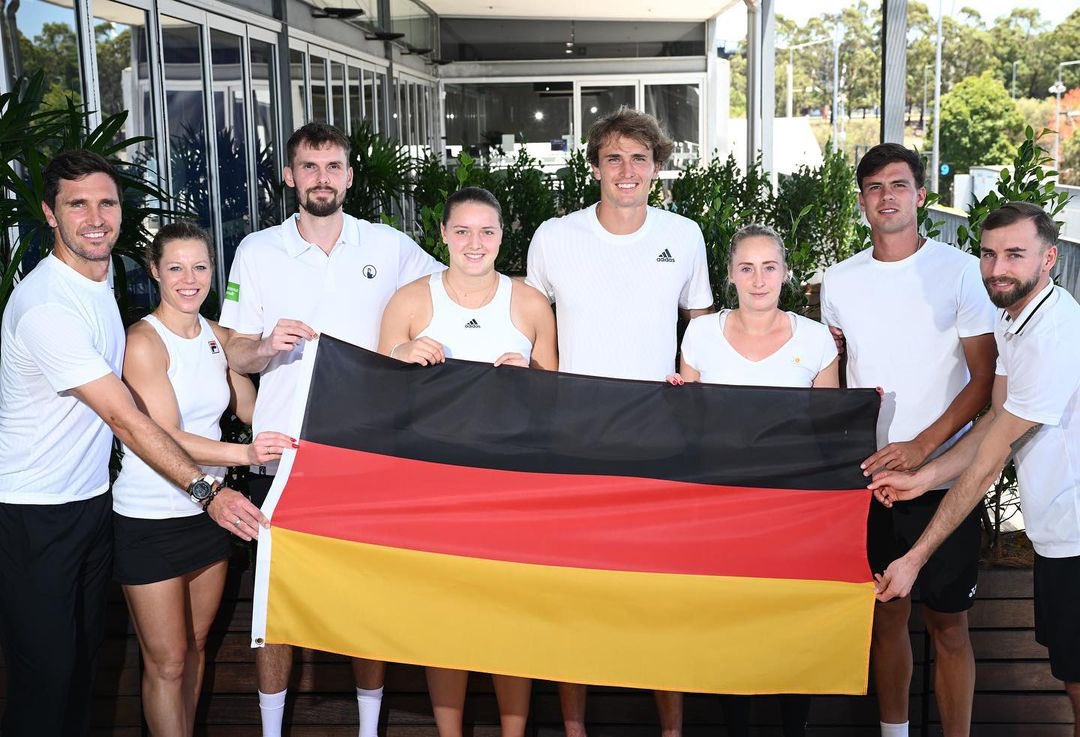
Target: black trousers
(55,568)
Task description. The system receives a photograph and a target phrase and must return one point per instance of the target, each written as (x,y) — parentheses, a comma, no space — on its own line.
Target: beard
(322,208)
(1020,289)
(102,252)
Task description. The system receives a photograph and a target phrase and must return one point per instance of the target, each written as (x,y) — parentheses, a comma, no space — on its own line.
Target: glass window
(409,18)
(298,86)
(539,114)
(356,97)
(384,109)
(121,47)
(182,54)
(337,94)
(227,73)
(263,110)
(372,109)
(46,40)
(678,108)
(597,101)
(318,89)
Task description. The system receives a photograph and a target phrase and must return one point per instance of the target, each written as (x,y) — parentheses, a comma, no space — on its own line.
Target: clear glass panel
(480,117)
(337,94)
(385,108)
(124,74)
(298,87)
(227,72)
(428,133)
(47,40)
(598,101)
(396,109)
(409,18)
(371,100)
(182,54)
(263,110)
(356,98)
(318,89)
(678,108)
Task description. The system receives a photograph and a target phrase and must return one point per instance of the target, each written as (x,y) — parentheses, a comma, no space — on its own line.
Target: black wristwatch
(203,490)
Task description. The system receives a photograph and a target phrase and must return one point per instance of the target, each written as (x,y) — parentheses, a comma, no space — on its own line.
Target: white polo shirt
(1039,353)
(60,331)
(903,322)
(617,297)
(278,275)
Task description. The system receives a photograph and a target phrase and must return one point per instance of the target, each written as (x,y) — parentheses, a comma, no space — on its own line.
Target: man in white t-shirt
(1034,418)
(320,271)
(620,274)
(61,400)
(917,323)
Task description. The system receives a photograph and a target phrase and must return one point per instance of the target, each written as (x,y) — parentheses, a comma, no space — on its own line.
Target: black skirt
(152,550)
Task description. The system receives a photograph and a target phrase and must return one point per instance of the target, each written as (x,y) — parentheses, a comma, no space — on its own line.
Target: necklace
(462,298)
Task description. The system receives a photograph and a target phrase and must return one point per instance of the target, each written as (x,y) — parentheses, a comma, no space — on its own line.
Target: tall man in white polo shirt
(61,400)
(321,271)
(620,274)
(1034,419)
(917,323)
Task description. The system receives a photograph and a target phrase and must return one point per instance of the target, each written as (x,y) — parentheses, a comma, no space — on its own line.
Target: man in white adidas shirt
(321,271)
(918,324)
(1034,418)
(61,400)
(620,274)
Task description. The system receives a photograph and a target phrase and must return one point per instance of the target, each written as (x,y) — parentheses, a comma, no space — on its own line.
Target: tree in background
(979,123)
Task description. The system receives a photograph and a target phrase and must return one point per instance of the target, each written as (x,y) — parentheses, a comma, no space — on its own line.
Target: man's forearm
(983,466)
(965,406)
(148,441)
(958,458)
(244,356)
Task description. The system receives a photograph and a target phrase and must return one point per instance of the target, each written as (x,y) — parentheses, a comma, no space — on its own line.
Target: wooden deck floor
(1016,695)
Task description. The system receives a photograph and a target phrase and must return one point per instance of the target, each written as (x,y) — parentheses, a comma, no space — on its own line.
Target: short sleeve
(975,314)
(999,362)
(827,346)
(61,345)
(692,340)
(413,261)
(242,308)
(828,312)
(1042,376)
(536,271)
(697,293)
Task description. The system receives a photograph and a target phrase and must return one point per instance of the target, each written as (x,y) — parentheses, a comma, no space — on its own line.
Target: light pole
(791,70)
(935,159)
(1059,89)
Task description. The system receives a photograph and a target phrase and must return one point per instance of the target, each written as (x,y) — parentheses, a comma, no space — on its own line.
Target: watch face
(199,490)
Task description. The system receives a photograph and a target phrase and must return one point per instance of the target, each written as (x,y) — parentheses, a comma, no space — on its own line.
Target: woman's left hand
(512,359)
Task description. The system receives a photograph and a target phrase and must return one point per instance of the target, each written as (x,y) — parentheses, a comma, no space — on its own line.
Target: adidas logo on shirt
(665,257)
(472,324)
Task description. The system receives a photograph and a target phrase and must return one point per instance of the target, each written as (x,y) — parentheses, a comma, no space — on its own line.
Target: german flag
(590,530)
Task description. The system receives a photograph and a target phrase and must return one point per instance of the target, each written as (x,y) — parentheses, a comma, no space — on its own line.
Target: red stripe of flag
(599,522)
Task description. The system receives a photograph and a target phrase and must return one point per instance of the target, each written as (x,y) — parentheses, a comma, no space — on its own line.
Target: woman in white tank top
(471,312)
(170,557)
(758,344)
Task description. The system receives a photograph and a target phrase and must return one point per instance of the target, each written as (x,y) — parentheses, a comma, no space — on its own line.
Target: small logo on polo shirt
(370,272)
(472,324)
(665,257)
(214,348)
(971,594)
(796,360)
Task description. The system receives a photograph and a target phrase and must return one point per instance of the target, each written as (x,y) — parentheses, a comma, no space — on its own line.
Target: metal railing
(1067,271)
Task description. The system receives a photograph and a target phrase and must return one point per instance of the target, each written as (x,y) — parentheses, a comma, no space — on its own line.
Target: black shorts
(152,550)
(948,580)
(1057,614)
